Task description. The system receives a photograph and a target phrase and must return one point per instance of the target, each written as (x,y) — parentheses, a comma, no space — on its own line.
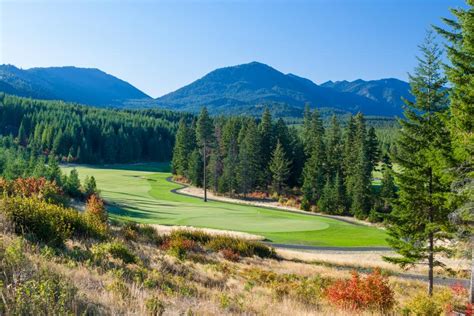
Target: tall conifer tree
(420,217)
(205,137)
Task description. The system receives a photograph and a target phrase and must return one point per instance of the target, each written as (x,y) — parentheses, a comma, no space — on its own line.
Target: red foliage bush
(469,309)
(33,187)
(230,255)
(362,293)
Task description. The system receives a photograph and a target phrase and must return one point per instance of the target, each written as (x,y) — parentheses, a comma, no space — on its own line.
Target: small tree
(95,208)
(73,184)
(90,186)
(279,167)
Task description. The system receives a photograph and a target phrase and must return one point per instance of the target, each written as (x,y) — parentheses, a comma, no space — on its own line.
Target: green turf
(144,196)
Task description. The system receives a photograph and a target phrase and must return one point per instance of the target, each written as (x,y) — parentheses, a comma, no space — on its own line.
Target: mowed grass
(141,193)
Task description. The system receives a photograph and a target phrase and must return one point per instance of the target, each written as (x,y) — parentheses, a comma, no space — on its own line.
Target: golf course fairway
(141,193)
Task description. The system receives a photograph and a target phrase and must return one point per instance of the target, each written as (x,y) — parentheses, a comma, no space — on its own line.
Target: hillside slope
(81,85)
(247,88)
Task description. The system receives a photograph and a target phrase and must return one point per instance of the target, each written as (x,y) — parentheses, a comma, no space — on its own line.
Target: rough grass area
(140,271)
(145,197)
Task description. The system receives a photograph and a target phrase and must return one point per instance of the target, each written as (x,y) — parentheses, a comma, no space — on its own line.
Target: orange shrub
(362,293)
(95,206)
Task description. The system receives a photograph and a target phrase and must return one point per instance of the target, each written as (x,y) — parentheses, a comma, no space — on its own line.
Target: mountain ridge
(242,89)
(89,86)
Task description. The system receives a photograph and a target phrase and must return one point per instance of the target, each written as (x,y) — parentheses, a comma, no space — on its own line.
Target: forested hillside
(77,133)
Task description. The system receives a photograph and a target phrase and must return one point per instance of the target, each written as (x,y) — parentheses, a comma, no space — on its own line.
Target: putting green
(141,193)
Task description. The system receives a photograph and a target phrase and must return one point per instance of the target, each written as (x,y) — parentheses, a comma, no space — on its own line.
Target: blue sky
(159,46)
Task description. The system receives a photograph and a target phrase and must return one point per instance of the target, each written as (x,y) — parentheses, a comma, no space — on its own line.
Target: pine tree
(22,137)
(54,171)
(314,177)
(373,151)
(350,156)
(460,74)
(204,136)
(267,139)
(279,167)
(388,190)
(195,166)
(334,149)
(90,186)
(419,221)
(184,145)
(249,157)
(327,197)
(73,184)
(230,134)
(216,163)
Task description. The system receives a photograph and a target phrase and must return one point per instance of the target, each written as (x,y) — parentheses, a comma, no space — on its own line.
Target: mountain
(248,88)
(389,91)
(82,85)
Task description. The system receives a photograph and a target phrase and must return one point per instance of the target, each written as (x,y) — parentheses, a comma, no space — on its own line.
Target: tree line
(330,167)
(82,134)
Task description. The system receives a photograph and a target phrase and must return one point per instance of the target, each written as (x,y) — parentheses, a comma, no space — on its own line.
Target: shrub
(179,247)
(358,293)
(49,223)
(136,232)
(95,207)
(195,235)
(115,250)
(230,255)
(45,294)
(242,247)
(423,304)
(33,187)
(154,306)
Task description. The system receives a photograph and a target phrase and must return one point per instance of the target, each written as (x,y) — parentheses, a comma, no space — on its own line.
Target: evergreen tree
(373,151)
(419,222)
(249,157)
(314,177)
(73,184)
(204,136)
(388,190)
(460,74)
(195,168)
(216,163)
(334,148)
(183,147)
(279,167)
(22,138)
(90,186)
(267,144)
(54,172)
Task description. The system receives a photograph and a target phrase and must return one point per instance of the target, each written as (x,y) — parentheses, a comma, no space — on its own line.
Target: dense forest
(82,134)
(330,167)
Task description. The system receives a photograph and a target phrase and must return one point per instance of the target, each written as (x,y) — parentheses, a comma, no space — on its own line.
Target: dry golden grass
(204,283)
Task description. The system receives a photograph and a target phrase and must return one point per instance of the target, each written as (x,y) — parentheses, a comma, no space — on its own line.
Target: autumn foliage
(39,188)
(95,207)
(362,293)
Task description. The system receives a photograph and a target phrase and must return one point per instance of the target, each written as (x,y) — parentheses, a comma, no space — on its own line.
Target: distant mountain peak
(69,83)
(244,88)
